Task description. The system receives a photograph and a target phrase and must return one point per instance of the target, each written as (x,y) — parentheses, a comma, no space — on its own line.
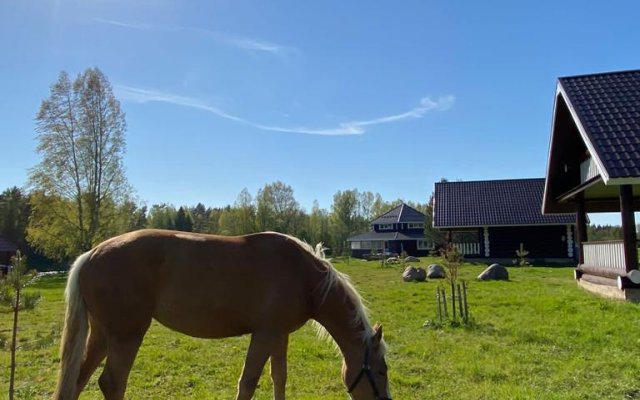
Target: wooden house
(7,250)
(594,166)
(398,230)
(489,220)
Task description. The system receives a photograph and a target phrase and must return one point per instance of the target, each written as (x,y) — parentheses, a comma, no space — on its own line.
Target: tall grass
(537,336)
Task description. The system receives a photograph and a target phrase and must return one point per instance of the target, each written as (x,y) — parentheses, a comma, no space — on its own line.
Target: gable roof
(401,213)
(606,109)
(511,202)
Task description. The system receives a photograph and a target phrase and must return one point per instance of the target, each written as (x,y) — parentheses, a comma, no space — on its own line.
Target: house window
(385,227)
(416,225)
(355,245)
(424,245)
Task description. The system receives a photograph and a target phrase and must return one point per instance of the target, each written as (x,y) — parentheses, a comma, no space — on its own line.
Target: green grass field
(537,336)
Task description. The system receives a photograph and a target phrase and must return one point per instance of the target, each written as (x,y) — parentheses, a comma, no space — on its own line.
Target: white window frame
(385,227)
(415,225)
(423,245)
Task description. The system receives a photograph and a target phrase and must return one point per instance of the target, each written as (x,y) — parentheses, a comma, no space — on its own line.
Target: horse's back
(202,285)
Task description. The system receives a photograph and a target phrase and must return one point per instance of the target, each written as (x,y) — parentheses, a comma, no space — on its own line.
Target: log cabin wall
(539,241)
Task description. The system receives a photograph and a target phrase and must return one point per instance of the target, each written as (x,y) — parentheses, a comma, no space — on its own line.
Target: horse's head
(366,378)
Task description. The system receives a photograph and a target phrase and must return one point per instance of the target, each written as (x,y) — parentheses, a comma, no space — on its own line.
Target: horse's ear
(377,333)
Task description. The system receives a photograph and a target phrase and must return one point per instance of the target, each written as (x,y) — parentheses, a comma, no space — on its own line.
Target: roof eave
(630,180)
(565,197)
(545,192)
(584,134)
(503,226)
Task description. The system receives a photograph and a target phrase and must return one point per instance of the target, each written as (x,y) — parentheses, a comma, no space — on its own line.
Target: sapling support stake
(453,300)
(466,306)
(438,306)
(460,309)
(444,303)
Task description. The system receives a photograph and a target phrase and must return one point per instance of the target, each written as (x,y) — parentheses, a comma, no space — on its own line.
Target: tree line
(272,208)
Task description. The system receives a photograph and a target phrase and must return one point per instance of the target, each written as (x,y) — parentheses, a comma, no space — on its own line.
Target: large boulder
(411,259)
(392,260)
(436,271)
(414,274)
(495,272)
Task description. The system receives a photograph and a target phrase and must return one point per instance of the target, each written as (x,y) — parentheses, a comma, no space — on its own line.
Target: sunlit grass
(537,336)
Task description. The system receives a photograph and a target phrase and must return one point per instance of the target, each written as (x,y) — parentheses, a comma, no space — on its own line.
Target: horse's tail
(74,335)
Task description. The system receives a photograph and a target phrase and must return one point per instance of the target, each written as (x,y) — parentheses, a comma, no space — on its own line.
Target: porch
(604,263)
(593,166)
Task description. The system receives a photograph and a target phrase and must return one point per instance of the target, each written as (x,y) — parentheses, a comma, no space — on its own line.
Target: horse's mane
(332,279)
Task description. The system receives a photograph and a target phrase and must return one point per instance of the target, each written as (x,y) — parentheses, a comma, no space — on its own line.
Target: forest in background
(272,208)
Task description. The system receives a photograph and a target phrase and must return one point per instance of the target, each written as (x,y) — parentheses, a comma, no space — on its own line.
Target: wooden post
(628,227)
(466,306)
(444,303)
(485,241)
(460,309)
(453,301)
(581,226)
(438,308)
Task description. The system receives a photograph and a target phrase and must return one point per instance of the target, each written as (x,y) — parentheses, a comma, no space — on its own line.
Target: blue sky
(387,97)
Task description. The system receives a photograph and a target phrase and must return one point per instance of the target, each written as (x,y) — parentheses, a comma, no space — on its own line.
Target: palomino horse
(265,284)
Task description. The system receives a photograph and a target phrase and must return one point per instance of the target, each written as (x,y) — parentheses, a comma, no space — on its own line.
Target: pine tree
(12,295)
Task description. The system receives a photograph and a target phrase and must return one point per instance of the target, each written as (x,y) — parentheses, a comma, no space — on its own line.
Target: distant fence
(609,254)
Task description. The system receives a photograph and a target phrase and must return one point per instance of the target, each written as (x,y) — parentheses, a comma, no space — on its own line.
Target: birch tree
(81,141)
(277,208)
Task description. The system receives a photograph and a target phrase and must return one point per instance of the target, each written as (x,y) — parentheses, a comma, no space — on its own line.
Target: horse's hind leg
(95,353)
(279,368)
(121,353)
(260,348)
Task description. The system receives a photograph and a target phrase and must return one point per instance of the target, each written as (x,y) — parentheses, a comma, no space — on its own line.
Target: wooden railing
(468,248)
(588,170)
(608,254)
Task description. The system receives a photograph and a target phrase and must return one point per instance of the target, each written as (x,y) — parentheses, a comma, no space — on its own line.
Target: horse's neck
(336,314)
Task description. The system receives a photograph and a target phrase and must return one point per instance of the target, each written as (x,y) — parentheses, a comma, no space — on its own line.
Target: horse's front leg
(260,348)
(279,367)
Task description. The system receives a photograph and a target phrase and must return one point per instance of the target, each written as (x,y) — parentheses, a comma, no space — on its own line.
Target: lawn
(537,336)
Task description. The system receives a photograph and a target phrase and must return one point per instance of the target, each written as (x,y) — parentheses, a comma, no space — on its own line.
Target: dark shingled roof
(369,236)
(493,203)
(608,107)
(402,213)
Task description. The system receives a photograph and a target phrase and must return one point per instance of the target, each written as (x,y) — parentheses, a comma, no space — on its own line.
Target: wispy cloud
(244,43)
(121,24)
(344,128)
(426,105)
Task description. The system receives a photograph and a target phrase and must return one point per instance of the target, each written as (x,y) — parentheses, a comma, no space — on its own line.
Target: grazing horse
(265,284)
